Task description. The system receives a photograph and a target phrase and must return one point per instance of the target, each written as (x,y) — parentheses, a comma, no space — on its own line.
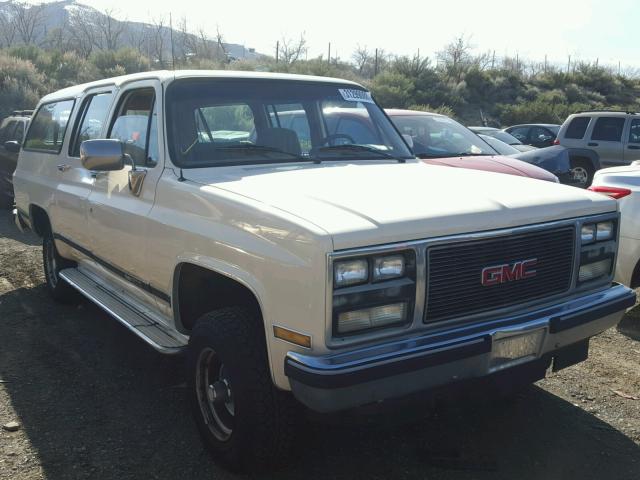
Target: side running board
(148,329)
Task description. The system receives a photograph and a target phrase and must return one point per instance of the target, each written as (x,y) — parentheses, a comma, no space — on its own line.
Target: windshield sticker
(355,95)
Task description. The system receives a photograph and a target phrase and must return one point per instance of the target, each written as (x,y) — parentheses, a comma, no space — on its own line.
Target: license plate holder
(509,348)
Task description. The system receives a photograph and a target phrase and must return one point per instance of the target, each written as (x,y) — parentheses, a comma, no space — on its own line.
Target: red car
(439,140)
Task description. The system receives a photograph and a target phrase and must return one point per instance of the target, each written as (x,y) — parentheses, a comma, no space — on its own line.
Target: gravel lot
(95,402)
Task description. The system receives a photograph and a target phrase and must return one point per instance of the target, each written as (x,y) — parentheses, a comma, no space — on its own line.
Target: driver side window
(135,125)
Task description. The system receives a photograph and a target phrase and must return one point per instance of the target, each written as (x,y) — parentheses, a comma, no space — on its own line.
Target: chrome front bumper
(343,380)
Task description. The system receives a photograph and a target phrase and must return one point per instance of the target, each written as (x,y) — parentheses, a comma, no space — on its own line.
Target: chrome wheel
(50,264)
(215,395)
(580,176)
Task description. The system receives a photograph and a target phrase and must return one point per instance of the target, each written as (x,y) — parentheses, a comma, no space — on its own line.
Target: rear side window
(18,135)
(577,127)
(6,131)
(608,129)
(634,131)
(93,115)
(521,133)
(49,126)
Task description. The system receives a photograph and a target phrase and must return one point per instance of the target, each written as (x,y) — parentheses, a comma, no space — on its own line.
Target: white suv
(329,267)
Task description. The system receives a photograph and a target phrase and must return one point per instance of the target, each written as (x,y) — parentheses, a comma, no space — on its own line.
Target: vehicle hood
(378,202)
(554,159)
(495,163)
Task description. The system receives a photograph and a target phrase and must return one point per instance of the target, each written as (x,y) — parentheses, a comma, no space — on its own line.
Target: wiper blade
(260,149)
(350,147)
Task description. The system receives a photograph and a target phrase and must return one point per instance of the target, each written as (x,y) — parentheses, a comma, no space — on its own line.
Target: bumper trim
(430,357)
(397,367)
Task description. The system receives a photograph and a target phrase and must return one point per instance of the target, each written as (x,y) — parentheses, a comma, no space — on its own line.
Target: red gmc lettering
(509,272)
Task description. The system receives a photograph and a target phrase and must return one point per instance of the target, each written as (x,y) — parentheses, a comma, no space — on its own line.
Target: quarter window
(132,123)
(634,131)
(6,131)
(49,126)
(608,129)
(91,121)
(577,128)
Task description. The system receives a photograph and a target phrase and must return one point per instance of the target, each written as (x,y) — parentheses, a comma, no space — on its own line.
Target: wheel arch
(635,276)
(585,154)
(39,220)
(192,279)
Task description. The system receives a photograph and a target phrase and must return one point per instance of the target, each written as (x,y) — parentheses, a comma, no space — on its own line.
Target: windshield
(213,122)
(504,137)
(438,136)
(499,146)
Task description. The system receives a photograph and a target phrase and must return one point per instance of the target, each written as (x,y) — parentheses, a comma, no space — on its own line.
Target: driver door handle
(63,167)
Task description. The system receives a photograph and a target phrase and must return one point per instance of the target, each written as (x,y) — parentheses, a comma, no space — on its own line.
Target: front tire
(53,263)
(245,422)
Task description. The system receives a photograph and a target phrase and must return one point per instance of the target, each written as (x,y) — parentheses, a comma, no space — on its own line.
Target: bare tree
(28,21)
(110,29)
(7,30)
(157,40)
(83,31)
(361,57)
(456,57)
(292,50)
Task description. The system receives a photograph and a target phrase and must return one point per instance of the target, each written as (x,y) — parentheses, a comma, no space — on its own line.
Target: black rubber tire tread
(265,417)
(62,292)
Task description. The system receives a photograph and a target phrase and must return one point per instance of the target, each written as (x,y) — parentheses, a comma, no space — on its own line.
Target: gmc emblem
(508,272)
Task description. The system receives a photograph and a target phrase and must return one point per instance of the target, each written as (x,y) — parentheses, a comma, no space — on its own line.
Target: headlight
(588,233)
(350,272)
(598,251)
(385,268)
(604,231)
(382,316)
(597,232)
(384,292)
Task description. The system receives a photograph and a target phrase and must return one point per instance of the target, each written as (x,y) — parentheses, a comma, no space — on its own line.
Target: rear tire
(245,422)
(582,173)
(53,263)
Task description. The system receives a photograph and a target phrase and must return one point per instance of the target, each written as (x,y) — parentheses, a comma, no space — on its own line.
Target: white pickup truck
(319,264)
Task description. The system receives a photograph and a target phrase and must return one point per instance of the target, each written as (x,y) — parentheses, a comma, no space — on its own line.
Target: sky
(585,29)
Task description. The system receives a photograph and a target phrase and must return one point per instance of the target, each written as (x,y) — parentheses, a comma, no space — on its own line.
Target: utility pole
(277,50)
(173,54)
(569,64)
(375,64)
(329,54)
(493,60)
(545,63)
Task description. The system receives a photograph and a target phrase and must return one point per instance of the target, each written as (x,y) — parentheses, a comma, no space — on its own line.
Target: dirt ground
(95,402)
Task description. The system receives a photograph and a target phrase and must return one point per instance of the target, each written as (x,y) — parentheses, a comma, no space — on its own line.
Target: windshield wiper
(350,147)
(249,147)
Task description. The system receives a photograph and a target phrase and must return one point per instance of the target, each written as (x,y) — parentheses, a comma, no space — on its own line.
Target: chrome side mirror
(102,155)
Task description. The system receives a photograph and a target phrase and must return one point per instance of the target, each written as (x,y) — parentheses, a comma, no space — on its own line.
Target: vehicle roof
(607,113)
(170,75)
(398,112)
(535,125)
(484,129)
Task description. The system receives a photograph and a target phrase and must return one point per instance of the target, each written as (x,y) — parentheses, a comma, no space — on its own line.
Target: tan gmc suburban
(317,264)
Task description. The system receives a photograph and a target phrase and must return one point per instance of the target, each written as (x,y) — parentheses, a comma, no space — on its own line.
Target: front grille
(455,286)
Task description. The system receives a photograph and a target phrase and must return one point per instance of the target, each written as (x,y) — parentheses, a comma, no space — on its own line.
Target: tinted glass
(437,136)
(131,125)
(6,131)
(19,133)
(92,120)
(49,126)
(608,129)
(634,131)
(274,121)
(521,133)
(540,134)
(504,137)
(499,146)
(577,127)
